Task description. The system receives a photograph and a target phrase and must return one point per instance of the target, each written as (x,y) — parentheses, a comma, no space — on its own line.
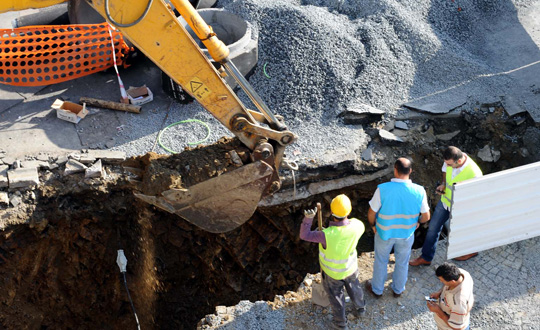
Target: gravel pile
(323,55)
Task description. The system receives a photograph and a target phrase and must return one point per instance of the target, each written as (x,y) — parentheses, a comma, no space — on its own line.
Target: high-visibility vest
(471,171)
(340,260)
(400,209)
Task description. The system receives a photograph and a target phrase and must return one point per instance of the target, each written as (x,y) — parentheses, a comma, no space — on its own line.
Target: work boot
(369,288)
(359,312)
(396,295)
(419,261)
(466,257)
(334,326)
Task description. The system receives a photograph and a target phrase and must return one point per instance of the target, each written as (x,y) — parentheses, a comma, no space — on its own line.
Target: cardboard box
(69,111)
(139,95)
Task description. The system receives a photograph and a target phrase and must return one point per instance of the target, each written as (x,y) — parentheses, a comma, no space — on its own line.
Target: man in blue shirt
(395,211)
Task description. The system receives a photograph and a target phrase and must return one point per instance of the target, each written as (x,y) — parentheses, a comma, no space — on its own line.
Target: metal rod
(254,97)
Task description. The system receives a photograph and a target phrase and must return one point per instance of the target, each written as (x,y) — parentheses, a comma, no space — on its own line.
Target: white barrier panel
(494,210)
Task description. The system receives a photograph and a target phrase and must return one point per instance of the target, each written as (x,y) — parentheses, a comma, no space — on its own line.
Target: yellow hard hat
(341,206)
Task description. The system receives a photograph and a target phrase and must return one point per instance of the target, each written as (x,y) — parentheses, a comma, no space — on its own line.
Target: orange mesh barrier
(44,55)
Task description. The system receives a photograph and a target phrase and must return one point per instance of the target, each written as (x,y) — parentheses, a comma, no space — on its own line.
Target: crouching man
(454,300)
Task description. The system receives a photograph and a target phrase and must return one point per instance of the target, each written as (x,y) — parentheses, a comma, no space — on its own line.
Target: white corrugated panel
(494,210)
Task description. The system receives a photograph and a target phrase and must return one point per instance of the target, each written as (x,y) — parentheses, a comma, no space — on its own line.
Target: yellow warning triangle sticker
(194,85)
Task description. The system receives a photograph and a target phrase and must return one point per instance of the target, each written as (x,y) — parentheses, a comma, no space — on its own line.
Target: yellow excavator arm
(224,202)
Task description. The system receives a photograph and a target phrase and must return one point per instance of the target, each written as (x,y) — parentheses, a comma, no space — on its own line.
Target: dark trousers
(334,289)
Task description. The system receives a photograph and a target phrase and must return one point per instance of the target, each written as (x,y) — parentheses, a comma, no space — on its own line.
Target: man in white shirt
(395,211)
(457,167)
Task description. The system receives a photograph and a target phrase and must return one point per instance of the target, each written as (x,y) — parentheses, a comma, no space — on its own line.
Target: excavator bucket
(219,204)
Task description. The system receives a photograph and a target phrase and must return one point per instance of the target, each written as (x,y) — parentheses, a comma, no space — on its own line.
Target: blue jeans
(402,253)
(440,216)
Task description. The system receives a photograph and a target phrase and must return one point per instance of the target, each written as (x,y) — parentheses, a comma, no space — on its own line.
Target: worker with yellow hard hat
(338,257)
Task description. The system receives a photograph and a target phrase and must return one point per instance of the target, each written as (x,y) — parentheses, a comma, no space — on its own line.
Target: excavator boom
(225,202)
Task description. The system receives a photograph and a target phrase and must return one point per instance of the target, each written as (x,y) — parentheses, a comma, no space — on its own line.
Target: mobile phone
(428,298)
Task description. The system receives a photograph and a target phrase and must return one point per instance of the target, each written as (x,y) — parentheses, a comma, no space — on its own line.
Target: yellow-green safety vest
(339,260)
(471,171)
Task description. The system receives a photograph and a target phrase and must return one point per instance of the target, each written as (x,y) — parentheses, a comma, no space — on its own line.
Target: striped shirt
(457,303)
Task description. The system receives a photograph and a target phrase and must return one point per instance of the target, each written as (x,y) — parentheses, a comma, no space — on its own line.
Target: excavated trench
(58,248)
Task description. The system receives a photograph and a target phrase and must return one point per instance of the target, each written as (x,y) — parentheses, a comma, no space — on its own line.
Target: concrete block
(488,155)
(367,154)
(15,200)
(87,159)
(401,125)
(73,166)
(3,176)
(94,171)
(61,160)
(447,136)
(108,156)
(35,163)
(4,198)
(389,137)
(8,160)
(23,177)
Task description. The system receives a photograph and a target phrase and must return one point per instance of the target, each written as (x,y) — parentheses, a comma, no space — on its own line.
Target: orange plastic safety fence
(44,55)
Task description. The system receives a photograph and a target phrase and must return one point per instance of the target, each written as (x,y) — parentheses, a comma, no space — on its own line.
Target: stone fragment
(360,113)
(4,198)
(75,156)
(429,136)
(108,156)
(94,171)
(23,177)
(15,200)
(3,176)
(401,125)
(35,164)
(447,136)
(213,320)
(389,137)
(350,317)
(73,166)
(17,164)
(87,159)
(308,282)
(367,154)
(61,160)
(8,160)
(221,310)
(390,125)
(235,158)
(488,155)
(434,106)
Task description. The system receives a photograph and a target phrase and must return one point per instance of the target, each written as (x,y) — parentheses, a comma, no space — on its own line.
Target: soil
(58,248)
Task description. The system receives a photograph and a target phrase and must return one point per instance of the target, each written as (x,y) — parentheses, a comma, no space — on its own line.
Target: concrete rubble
(23,177)
(94,171)
(487,154)
(4,198)
(73,166)
(3,176)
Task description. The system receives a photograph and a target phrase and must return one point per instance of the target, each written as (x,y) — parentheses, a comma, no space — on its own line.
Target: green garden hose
(182,122)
